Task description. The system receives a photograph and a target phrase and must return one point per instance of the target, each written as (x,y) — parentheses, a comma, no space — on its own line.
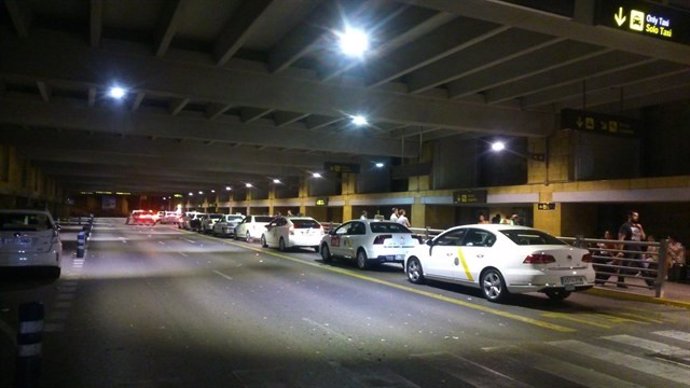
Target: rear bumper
(41,259)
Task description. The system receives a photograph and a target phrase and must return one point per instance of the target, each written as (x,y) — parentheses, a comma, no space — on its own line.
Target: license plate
(24,241)
(572,281)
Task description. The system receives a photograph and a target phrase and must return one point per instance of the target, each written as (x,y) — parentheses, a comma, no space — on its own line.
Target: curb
(637,297)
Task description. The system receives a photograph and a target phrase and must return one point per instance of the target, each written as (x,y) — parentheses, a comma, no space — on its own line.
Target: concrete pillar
(347,212)
(418,215)
(348,184)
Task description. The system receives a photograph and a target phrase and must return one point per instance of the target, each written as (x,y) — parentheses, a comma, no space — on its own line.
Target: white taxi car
(30,238)
(288,232)
(502,259)
(251,227)
(369,242)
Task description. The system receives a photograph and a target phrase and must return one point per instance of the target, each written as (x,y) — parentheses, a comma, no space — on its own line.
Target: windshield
(305,223)
(531,237)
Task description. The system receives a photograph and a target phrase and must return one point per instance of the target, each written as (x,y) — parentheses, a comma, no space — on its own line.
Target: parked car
(369,242)
(288,232)
(209,221)
(502,259)
(225,227)
(251,227)
(30,238)
(169,217)
(145,217)
(191,221)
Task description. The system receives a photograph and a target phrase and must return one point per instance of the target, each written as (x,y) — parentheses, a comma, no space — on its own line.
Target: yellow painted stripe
(457,302)
(570,317)
(464,265)
(618,318)
(639,317)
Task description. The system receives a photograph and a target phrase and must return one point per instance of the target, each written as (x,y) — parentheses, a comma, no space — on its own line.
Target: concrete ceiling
(224,91)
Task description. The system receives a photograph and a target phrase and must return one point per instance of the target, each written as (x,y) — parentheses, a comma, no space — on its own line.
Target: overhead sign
(644,18)
(321,201)
(546,206)
(341,167)
(599,123)
(469,196)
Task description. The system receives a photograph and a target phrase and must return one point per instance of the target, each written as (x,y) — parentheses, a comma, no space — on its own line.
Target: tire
(316,249)
(263,241)
(326,254)
(414,271)
(557,295)
(248,237)
(362,259)
(281,245)
(493,286)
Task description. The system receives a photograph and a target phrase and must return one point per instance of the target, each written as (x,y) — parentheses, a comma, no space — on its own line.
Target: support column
(418,215)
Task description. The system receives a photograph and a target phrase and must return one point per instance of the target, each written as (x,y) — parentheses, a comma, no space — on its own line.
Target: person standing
(364,215)
(402,219)
(631,230)
(496,219)
(675,259)
(482,219)
(394,215)
(602,261)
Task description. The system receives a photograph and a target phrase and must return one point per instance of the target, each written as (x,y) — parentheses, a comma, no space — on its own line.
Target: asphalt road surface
(161,307)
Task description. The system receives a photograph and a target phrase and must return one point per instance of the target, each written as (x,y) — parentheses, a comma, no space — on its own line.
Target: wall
(455,163)
(666,140)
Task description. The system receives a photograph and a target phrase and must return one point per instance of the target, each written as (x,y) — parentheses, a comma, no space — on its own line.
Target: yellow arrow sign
(620,17)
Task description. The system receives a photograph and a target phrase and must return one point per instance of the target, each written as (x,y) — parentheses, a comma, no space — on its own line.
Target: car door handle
(480,256)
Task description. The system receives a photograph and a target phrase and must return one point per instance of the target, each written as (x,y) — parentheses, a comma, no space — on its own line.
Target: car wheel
(263,241)
(362,259)
(414,271)
(326,253)
(281,245)
(557,294)
(316,249)
(248,237)
(492,285)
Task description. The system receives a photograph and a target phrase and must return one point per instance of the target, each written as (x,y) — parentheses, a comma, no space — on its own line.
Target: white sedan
(30,238)
(225,226)
(369,242)
(251,227)
(502,259)
(287,232)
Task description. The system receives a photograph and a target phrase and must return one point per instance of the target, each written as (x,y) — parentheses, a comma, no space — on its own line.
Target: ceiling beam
(238,29)
(213,111)
(177,105)
(96,22)
(255,89)
(20,16)
(167,25)
(559,26)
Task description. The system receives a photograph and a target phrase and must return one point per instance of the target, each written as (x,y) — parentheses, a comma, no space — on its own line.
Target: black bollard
(29,342)
(81,243)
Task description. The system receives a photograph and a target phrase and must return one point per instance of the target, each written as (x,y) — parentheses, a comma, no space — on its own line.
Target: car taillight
(587,258)
(539,258)
(381,238)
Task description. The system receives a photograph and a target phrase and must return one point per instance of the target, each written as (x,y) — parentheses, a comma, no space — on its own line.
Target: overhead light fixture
(316,175)
(359,120)
(276,181)
(213,191)
(228,188)
(248,185)
(191,194)
(379,165)
(498,146)
(117,92)
(353,42)
(201,192)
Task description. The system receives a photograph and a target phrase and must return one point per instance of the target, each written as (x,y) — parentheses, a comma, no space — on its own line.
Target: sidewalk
(673,293)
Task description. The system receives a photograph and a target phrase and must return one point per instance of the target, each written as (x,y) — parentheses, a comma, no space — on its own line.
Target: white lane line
(222,274)
(183,254)
(649,366)
(161,242)
(188,240)
(652,346)
(325,327)
(677,335)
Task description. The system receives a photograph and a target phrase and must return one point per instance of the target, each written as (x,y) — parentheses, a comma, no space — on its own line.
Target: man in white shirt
(402,219)
(394,215)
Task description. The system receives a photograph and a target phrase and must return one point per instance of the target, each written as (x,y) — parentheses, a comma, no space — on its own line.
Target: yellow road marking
(617,318)
(569,317)
(639,317)
(464,265)
(488,310)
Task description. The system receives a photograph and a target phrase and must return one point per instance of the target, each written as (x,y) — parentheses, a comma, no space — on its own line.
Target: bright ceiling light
(276,181)
(248,185)
(359,120)
(316,175)
(117,92)
(498,146)
(353,42)
(213,191)
(228,188)
(191,194)
(379,165)
(201,192)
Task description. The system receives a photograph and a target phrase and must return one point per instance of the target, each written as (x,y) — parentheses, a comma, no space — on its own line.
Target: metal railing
(642,260)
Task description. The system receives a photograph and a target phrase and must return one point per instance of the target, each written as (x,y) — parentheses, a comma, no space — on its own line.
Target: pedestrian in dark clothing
(631,230)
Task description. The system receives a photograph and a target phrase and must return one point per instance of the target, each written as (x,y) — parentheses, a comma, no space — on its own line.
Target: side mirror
(430,242)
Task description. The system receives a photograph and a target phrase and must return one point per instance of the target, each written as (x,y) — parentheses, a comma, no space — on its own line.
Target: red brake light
(381,238)
(587,258)
(539,258)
